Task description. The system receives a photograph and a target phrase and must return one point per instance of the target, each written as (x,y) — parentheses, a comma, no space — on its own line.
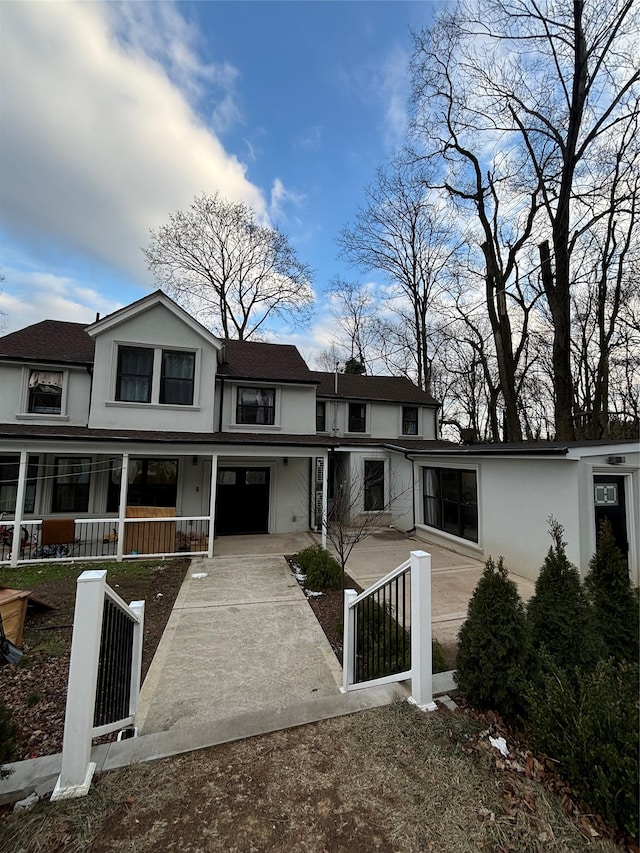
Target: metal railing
(387,631)
(108,538)
(104,676)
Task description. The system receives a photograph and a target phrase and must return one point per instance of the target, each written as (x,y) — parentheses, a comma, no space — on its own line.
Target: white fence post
(122,505)
(136,662)
(421,642)
(348,640)
(77,767)
(17,516)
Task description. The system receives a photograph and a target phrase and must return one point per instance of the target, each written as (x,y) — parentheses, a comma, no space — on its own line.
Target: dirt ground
(392,779)
(36,689)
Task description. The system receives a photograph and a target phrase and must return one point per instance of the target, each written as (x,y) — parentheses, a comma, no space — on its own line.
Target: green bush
(589,724)
(615,602)
(494,656)
(7,737)
(559,615)
(322,570)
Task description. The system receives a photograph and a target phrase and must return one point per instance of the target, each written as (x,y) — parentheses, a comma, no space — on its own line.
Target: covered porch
(99,502)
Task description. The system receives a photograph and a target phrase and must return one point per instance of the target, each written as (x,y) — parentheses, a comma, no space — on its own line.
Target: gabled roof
(158,297)
(352,386)
(53,341)
(267,362)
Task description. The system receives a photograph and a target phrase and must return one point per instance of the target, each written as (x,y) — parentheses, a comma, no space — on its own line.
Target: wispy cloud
(309,139)
(281,196)
(101,136)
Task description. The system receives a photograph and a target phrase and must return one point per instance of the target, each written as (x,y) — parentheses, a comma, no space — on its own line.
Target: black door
(609,502)
(242,501)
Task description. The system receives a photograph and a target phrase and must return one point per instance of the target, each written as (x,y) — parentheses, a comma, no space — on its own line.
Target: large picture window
(256,406)
(152,482)
(451,501)
(71,484)
(373,485)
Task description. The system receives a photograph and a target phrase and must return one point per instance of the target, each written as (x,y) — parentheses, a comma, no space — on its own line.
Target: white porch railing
(104,677)
(387,631)
(84,539)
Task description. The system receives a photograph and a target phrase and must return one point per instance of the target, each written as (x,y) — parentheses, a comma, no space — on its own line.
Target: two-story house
(146,408)
(145,414)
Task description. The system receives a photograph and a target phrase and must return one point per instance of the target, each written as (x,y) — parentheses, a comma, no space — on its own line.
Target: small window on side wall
(256,406)
(409,420)
(374,485)
(45,392)
(321,419)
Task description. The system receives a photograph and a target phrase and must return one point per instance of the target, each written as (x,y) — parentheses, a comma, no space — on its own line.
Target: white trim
(629,474)
(156,377)
(276,426)
(24,413)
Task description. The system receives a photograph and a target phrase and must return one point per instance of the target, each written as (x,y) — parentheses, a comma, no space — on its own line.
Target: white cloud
(36,296)
(101,138)
(280,196)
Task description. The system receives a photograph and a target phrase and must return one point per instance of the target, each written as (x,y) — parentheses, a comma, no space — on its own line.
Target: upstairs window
(321,420)
(45,392)
(409,420)
(135,374)
(154,375)
(176,380)
(357,417)
(256,406)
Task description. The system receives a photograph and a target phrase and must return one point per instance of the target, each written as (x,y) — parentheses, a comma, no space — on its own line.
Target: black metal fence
(113,689)
(382,635)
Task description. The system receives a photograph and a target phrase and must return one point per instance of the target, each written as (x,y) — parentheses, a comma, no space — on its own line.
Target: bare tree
(232,273)
(402,233)
(518,104)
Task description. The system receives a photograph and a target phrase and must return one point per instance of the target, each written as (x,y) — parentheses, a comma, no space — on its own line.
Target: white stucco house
(146,414)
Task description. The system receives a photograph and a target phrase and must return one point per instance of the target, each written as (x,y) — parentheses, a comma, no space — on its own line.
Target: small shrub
(7,738)
(493,650)
(559,614)
(438,662)
(322,570)
(615,602)
(589,724)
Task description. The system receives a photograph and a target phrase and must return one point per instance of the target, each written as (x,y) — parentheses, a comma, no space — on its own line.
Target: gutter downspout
(413,485)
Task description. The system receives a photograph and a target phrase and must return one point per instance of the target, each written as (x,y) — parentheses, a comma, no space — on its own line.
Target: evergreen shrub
(615,602)
(493,649)
(559,614)
(590,724)
(322,570)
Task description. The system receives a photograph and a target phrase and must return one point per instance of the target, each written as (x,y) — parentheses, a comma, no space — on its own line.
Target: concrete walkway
(241,638)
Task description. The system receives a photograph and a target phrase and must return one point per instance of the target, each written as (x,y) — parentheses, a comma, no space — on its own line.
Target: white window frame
(156,375)
(386,485)
(419,492)
(418,432)
(24,413)
(275,426)
(367,417)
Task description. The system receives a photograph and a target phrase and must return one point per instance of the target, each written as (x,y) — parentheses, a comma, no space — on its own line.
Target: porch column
(212,502)
(17,516)
(122,505)
(325,493)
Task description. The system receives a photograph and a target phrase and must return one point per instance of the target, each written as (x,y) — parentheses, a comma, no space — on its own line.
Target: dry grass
(391,779)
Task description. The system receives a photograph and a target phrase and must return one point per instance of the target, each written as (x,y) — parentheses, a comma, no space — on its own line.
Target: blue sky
(115,115)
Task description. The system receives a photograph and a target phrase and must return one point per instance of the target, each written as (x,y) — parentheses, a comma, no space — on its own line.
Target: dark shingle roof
(51,340)
(270,362)
(394,389)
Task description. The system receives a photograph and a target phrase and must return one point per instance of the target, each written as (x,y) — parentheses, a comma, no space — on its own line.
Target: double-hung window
(9,474)
(45,392)
(176,380)
(451,501)
(409,420)
(373,485)
(357,417)
(135,374)
(321,416)
(256,406)
(153,375)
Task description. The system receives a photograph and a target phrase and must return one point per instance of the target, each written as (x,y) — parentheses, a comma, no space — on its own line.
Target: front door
(242,501)
(609,500)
